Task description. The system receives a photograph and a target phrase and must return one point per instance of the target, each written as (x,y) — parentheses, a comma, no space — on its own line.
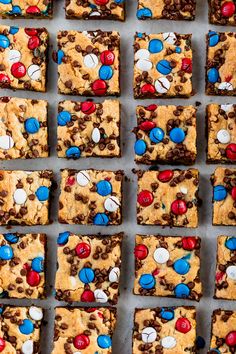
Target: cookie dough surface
(26,8)
(222,12)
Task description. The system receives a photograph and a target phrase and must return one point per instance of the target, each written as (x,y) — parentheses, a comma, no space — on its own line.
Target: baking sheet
(122,342)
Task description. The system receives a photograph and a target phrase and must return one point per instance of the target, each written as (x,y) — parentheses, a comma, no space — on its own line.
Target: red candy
(178,207)
(99,87)
(2,344)
(34,42)
(151,107)
(231,151)
(87,296)
(81,341)
(183,325)
(233,193)
(33,278)
(230,339)
(147,88)
(228,9)
(187,65)
(101,2)
(88,107)
(145,198)
(189,243)
(4,79)
(165,176)
(219,276)
(83,250)
(70,181)
(141,252)
(18,70)
(107,57)
(147,125)
(31,31)
(33,10)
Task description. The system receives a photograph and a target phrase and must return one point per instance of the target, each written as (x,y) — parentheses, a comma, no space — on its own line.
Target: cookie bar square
(220,64)
(22,265)
(168,330)
(88,268)
(225,268)
(95,9)
(223,331)
(88,63)
(168,198)
(23,59)
(222,12)
(165,134)
(221,133)
(224,196)
(169,10)
(26,9)
(87,329)
(168,266)
(91,197)
(25,197)
(162,65)
(23,128)
(20,329)
(88,129)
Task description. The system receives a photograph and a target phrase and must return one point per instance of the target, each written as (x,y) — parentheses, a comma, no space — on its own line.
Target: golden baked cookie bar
(25,197)
(166,330)
(91,197)
(88,268)
(168,266)
(165,134)
(89,330)
(23,128)
(96,9)
(22,258)
(221,133)
(88,63)
(225,285)
(168,197)
(224,196)
(88,129)
(162,65)
(20,329)
(222,12)
(23,59)
(26,8)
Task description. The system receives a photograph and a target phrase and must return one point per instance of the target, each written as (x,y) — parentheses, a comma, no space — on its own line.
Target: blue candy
(63,238)
(213,75)
(140,147)
(4,41)
(5,2)
(6,252)
(63,118)
(213,38)
(144,13)
(147,281)
(12,238)
(163,66)
(16,10)
(104,188)
(181,266)
(182,291)
(219,193)
(214,351)
(104,341)
(1,309)
(42,193)
(155,46)
(156,135)
(231,243)
(73,152)
(119,1)
(86,275)
(27,327)
(139,35)
(105,72)
(38,264)
(177,135)
(13,30)
(60,56)
(167,314)
(32,125)
(101,219)
(178,50)
(200,342)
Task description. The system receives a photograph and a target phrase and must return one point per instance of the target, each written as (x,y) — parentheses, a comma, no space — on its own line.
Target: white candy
(226,107)
(114,275)
(168,342)
(28,347)
(73,282)
(223,136)
(14,56)
(162,85)
(95,13)
(142,54)
(96,136)
(36,313)
(6,142)
(91,61)
(20,196)
(183,190)
(100,296)
(77,353)
(83,178)
(225,86)
(231,272)
(111,204)
(161,255)
(169,37)
(149,335)
(34,72)
(144,64)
